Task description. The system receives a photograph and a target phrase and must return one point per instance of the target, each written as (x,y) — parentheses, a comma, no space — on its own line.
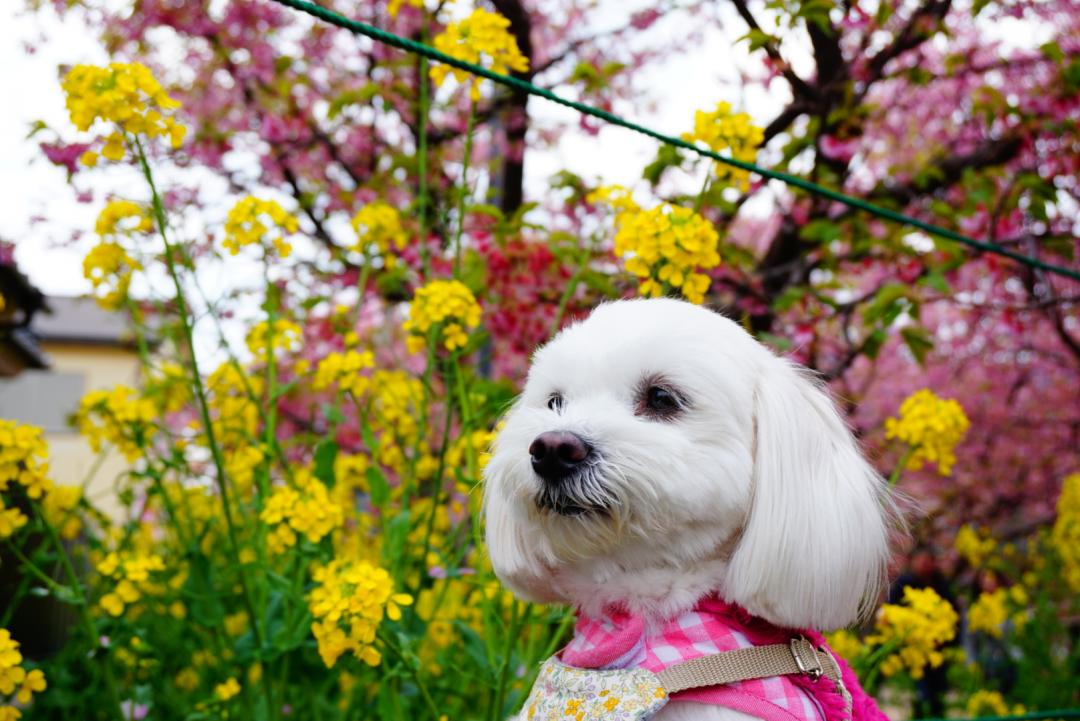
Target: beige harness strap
(778,659)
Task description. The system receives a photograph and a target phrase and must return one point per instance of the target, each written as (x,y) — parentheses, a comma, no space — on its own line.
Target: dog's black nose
(557,454)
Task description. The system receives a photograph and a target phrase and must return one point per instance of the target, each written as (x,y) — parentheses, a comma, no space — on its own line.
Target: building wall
(48,398)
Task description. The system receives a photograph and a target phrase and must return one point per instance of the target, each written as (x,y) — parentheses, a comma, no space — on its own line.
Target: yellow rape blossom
(287,336)
(11,520)
(125,94)
(730,134)
(917,628)
(233,394)
(16,681)
(109,268)
(306,509)
(349,602)
(265,223)
(59,510)
(448,307)
(666,247)
(228,689)
(378,225)
(123,217)
(845,644)
(394,6)
(118,416)
(1065,534)
(343,370)
(988,614)
(23,455)
(990,703)
(132,573)
(932,427)
(187,679)
(483,38)
(975,546)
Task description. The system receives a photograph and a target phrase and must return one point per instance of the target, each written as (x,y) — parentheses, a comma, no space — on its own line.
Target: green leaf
(788,298)
(886,306)
(325,452)
(757,39)
(918,340)
(873,343)
(667,156)
(380,489)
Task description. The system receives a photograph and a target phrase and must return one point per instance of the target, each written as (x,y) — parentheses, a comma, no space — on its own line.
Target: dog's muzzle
(562,459)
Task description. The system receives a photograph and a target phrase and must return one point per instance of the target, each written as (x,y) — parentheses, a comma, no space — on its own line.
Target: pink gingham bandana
(621,641)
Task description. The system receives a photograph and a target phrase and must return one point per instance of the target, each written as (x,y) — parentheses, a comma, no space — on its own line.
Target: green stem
(428,701)
(37,572)
(200,394)
(84,614)
(701,193)
(496,711)
(571,288)
(894,477)
(464,191)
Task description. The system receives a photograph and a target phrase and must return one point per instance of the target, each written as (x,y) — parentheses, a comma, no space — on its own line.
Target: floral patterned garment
(565,693)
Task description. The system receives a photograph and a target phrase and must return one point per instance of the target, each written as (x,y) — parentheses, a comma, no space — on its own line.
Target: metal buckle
(815,671)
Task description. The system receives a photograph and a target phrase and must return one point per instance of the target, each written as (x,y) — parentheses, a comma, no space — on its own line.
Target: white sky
(38,209)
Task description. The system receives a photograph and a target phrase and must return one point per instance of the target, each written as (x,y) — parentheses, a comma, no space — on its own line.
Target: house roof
(80,321)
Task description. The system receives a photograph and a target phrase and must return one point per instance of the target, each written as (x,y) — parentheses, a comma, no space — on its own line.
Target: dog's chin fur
(755,491)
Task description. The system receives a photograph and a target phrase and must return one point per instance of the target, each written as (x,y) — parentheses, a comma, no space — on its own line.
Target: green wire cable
(1032,716)
(431,53)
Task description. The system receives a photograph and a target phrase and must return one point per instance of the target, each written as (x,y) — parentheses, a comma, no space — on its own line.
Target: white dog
(658,456)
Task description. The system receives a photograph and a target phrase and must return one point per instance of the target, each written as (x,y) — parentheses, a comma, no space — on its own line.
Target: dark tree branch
(799,87)
(913,34)
(515,120)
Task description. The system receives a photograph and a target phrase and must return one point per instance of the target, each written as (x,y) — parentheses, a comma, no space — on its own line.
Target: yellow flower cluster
(123,217)
(108,267)
(228,689)
(348,604)
(18,684)
(23,458)
(259,222)
(232,398)
(394,6)
(988,614)
(932,426)
(917,628)
(845,644)
(730,134)
(307,509)
(482,39)
(131,571)
(344,371)
(168,387)
(665,247)
(990,703)
(1065,535)
(448,307)
(378,228)
(58,507)
(287,337)
(119,416)
(973,545)
(126,94)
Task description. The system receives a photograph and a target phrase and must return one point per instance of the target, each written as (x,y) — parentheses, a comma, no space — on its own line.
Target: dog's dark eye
(555,402)
(659,402)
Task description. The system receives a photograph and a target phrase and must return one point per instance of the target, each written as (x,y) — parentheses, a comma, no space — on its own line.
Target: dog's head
(658,453)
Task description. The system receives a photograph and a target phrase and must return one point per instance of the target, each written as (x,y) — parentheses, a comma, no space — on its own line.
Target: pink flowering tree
(308,509)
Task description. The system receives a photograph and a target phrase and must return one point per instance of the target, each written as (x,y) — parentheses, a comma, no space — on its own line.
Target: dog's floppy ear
(815,545)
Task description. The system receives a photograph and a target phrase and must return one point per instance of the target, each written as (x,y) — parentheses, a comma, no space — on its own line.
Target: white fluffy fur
(757,491)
